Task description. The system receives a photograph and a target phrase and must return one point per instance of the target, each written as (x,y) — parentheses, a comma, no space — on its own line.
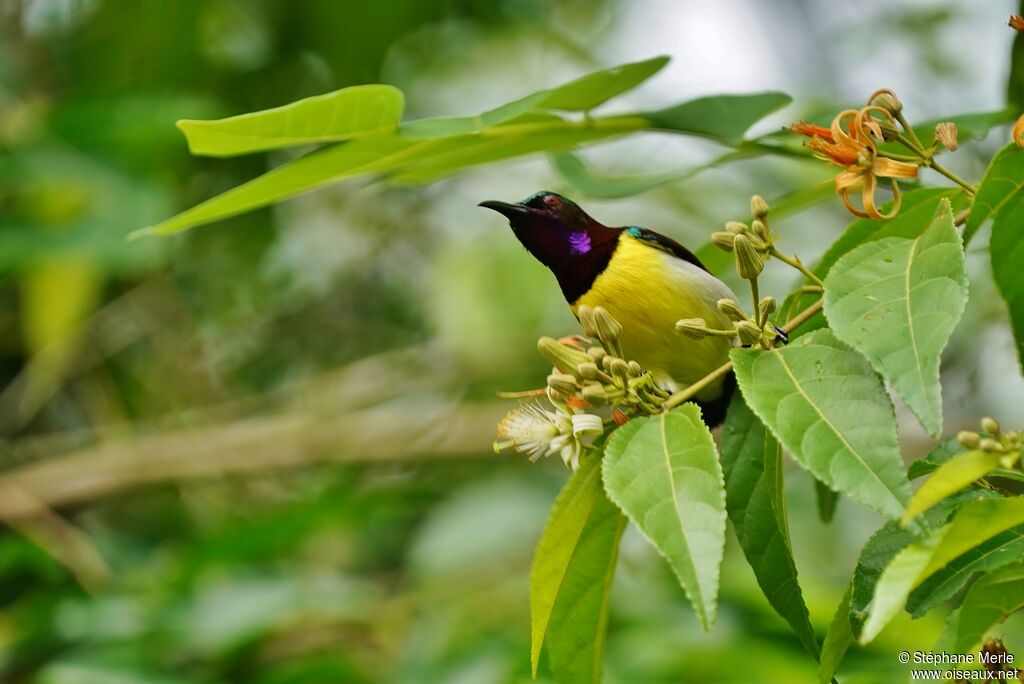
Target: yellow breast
(648,290)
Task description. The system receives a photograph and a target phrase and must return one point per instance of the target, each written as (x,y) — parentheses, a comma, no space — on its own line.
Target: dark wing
(666,244)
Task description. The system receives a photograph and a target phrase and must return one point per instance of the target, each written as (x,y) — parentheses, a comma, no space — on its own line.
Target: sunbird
(645,280)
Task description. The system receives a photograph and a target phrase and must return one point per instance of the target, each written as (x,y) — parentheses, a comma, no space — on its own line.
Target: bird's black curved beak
(511,211)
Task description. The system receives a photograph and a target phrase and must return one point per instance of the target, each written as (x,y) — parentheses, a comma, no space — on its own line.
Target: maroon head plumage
(561,236)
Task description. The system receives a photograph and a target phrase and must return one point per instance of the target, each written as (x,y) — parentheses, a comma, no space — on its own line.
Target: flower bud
(887,100)
(598,393)
(596,353)
(749,262)
(731,309)
(561,356)
(735,227)
(968,440)
(749,332)
(990,445)
(1018,132)
(620,369)
(990,425)
(761,231)
(945,133)
(694,328)
(634,369)
(723,240)
(608,329)
(586,316)
(589,371)
(562,382)
(758,207)
(766,307)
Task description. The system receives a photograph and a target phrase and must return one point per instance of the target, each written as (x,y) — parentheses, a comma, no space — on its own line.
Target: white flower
(537,432)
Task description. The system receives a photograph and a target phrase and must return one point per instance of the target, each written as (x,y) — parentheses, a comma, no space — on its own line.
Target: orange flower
(1018,131)
(1017,23)
(851,142)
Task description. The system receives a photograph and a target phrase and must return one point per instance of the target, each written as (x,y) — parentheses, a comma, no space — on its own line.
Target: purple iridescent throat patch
(579,242)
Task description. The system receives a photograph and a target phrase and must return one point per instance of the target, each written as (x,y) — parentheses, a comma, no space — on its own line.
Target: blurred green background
(260,451)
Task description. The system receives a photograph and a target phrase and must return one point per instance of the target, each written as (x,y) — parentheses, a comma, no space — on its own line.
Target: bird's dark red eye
(551,200)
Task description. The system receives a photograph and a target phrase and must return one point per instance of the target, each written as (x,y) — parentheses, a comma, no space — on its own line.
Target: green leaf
(826,500)
(949,478)
(1007,253)
(449,155)
(724,118)
(1002,181)
(945,450)
(830,411)
(837,640)
(581,94)
(663,472)
(593,89)
(887,542)
(571,577)
(752,465)
(897,301)
(575,172)
(1001,549)
(401,158)
(917,209)
(345,113)
(440,126)
(975,523)
(897,581)
(988,602)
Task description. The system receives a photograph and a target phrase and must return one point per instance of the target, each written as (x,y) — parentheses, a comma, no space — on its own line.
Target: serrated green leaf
(1003,180)
(949,478)
(896,582)
(1001,549)
(593,89)
(342,114)
(663,472)
(916,209)
(887,542)
(943,451)
(752,465)
(724,118)
(974,523)
(988,602)
(830,411)
(571,577)
(837,640)
(897,301)
(1007,253)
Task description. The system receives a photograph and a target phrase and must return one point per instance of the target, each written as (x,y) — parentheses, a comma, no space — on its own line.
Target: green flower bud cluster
(994,441)
(750,244)
(751,330)
(599,374)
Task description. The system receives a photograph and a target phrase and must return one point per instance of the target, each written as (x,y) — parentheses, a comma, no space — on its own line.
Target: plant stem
(755,295)
(797,264)
(907,127)
(927,160)
(691,391)
(951,176)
